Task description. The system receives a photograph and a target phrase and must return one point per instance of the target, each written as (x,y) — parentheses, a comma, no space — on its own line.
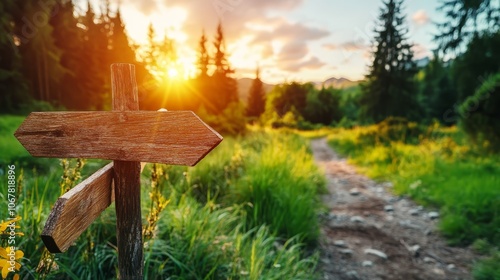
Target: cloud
(311,63)
(349,46)
(146,6)
(293,51)
(420,17)
(295,38)
(278,39)
(291,32)
(233,14)
(256,25)
(420,51)
(354,46)
(330,46)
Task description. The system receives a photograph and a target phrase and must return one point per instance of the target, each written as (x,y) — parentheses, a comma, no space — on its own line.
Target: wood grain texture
(127,179)
(173,137)
(77,209)
(128,219)
(124,87)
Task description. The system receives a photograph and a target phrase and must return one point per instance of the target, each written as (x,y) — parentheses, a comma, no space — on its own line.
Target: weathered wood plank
(173,137)
(127,180)
(128,219)
(77,209)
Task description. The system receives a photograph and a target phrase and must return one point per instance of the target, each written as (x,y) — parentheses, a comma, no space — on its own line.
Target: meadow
(439,168)
(247,211)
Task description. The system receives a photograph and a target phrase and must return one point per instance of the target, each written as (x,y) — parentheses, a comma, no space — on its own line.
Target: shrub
(392,129)
(230,122)
(488,268)
(280,189)
(480,116)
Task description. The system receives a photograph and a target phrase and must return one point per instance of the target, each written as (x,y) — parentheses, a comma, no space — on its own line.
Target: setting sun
(172,72)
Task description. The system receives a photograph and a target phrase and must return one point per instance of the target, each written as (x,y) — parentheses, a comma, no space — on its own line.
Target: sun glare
(173,73)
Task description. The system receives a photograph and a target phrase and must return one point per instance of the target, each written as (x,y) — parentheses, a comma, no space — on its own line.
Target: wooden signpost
(126,136)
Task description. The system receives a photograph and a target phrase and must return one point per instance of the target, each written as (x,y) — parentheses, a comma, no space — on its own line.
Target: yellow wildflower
(4,225)
(5,261)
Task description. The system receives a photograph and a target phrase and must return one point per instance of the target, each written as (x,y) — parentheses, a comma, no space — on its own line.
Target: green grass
(10,147)
(247,211)
(281,188)
(438,169)
(12,152)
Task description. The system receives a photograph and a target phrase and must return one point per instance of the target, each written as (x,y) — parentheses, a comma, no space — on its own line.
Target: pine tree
(40,55)
(220,59)
(256,104)
(323,106)
(203,57)
(437,95)
(466,19)
(389,89)
(151,52)
(225,89)
(13,87)
(96,63)
(121,52)
(480,60)
(203,90)
(68,37)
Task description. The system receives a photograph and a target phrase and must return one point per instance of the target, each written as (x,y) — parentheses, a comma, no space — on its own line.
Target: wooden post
(127,182)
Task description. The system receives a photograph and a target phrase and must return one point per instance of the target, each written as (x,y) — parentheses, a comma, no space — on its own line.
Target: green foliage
(472,212)
(437,95)
(40,55)
(282,178)
(296,105)
(488,269)
(461,23)
(385,133)
(57,48)
(268,175)
(287,97)
(13,85)
(13,152)
(480,116)
(349,105)
(389,89)
(231,121)
(38,106)
(480,60)
(256,104)
(323,106)
(291,119)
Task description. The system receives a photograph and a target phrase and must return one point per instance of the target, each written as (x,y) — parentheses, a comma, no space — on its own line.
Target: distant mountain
(336,83)
(244,85)
(421,63)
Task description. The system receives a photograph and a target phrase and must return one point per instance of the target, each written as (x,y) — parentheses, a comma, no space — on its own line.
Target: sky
(290,40)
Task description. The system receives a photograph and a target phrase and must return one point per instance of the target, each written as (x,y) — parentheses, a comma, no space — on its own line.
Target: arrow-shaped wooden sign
(77,209)
(175,137)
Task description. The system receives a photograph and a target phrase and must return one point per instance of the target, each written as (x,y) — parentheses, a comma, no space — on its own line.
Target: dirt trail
(368,233)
